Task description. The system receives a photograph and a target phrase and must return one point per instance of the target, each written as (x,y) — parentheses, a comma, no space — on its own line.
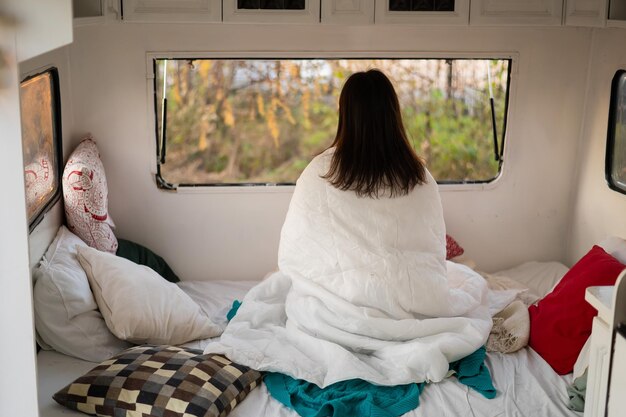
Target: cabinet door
(272,11)
(43,25)
(516,12)
(348,11)
(617,401)
(617,14)
(172,10)
(586,13)
(19,365)
(423,12)
(598,374)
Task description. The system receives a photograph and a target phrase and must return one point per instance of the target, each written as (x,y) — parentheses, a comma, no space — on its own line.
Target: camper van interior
(195,128)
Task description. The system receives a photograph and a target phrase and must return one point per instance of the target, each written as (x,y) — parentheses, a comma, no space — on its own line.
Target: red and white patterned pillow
(453,249)
(86,197)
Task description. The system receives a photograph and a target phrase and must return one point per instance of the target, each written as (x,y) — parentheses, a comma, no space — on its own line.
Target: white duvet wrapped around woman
(363,290)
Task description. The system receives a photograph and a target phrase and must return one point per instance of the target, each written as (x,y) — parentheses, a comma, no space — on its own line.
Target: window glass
(616,143)
(421,5)
(271,4)
(258,121)
(40,142)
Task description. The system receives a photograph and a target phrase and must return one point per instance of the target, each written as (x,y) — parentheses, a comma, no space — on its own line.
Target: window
(421,5)
(615,162)
(260,121)
(41,142)
(271,4)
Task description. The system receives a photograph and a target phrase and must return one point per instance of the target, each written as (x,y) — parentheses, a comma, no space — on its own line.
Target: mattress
(526,384)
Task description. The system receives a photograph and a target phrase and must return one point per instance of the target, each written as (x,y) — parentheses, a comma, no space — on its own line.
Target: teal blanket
(356,397)
(343,399)
(360,398)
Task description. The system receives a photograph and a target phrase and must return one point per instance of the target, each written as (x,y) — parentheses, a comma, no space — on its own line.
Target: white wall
(42,25)
(598,211)
(18,395)
(234,235)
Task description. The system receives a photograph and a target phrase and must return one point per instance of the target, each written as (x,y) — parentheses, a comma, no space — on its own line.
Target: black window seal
(610,137)
(58,139)
(163,184)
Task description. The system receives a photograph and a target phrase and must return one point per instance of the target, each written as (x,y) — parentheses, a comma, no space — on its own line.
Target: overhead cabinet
(617,14)
(172,10)
(423,12)
(348,11)
(42,26)
(592,13)
(272,11)
(585,13)
(517,12)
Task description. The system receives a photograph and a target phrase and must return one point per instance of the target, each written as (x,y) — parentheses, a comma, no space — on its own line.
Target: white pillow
(139,305)
(616,247)
(66,315)
(539,277)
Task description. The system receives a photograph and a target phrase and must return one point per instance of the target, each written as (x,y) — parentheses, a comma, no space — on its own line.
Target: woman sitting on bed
(363,290)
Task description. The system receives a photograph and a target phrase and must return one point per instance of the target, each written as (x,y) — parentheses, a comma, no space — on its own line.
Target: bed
(526,384)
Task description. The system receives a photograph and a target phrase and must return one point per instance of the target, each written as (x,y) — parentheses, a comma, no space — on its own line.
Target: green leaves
(263,120)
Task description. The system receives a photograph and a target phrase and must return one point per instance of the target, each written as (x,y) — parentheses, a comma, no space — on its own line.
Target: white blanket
(363,291)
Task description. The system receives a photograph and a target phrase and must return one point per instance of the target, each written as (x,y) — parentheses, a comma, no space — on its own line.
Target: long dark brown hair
(373,155)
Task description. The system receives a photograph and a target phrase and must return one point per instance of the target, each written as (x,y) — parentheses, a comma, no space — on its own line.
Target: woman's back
(373,252)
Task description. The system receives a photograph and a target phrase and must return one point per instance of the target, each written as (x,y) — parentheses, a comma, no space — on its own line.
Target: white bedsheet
(526,385)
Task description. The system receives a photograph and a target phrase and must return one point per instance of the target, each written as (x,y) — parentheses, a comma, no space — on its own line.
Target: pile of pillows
(94,295)
(560,323)
(561,318)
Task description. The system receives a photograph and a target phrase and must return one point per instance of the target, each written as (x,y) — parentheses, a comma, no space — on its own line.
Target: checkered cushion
(162,381)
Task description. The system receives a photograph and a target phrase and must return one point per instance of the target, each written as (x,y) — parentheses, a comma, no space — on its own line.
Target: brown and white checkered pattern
(160,381)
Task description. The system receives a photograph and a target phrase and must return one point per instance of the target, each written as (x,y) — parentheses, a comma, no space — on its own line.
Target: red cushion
(453,249)
(561,322)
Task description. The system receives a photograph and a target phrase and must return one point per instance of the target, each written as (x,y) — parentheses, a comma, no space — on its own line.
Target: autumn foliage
(261,121)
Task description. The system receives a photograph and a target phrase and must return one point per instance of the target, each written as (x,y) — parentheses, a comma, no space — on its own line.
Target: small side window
(615,162)
(41,142)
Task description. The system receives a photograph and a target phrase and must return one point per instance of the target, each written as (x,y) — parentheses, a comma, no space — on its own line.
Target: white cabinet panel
(598,376)
(459,16)
(43,25)
(172,10)
(348,11)
(516,12)
(586,13)
(310,14)
(617,401)
(18,380)
(617,14)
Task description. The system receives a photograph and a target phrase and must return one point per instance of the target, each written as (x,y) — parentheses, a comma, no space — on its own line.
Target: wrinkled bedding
(527,387)
(363,291)
(526,384)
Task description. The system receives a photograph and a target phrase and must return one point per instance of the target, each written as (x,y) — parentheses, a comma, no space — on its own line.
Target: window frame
(57,140)
(228,188)
(610,137)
